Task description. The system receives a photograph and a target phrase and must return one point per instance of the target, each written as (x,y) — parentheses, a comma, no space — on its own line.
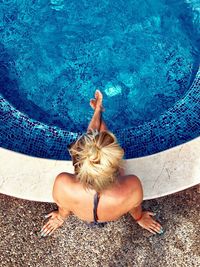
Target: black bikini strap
(96,201)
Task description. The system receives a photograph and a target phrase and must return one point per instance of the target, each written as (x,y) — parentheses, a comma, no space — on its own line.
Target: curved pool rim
(179,124)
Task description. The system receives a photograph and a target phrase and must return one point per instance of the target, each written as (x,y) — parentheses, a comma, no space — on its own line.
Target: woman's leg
(95,104)
(95,122)
(103,126)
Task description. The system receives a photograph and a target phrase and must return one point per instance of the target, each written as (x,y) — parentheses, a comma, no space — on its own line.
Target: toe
(98,94)
(92,103)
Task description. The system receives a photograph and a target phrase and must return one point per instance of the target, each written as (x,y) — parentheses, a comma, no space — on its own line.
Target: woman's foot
(97,102)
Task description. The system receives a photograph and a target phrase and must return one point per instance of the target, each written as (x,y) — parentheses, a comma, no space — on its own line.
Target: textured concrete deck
(120,244)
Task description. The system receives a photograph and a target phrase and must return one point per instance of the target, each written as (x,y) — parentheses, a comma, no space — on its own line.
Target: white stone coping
(161,174)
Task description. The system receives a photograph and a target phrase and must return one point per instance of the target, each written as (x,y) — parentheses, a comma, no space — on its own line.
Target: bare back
(113,203)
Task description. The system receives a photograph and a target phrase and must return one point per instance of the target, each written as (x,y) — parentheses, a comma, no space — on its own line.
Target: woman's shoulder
(130,181)
(132,188)
(64,177)
(62,185)
(137,190)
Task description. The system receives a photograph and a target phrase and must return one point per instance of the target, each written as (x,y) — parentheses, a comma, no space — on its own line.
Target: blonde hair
(97,158)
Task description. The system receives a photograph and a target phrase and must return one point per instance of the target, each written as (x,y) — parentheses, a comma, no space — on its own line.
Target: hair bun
(94,154)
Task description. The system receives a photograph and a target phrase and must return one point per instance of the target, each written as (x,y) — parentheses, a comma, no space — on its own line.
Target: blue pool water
(143,56)
(139,53)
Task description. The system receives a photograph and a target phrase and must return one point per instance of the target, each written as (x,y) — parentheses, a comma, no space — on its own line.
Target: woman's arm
(57,217)
(59,195)
(143,218)
(136,211)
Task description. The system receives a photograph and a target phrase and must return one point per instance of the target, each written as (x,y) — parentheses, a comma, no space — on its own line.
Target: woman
(98,181)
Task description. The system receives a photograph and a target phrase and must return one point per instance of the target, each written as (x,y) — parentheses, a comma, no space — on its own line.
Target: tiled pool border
(179,124)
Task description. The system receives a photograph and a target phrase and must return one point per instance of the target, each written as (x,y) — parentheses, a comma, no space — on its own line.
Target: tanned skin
(125,196)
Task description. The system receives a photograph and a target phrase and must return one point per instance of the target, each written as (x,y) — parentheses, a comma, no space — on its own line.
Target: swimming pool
(144,57)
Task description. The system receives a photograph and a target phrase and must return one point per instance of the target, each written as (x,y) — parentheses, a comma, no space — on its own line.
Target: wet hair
(97,157)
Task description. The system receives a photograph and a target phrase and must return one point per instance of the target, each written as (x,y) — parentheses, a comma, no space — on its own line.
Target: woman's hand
(148,223)
(54,222)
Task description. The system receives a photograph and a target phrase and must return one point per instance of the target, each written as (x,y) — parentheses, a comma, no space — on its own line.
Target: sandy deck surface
(119,244)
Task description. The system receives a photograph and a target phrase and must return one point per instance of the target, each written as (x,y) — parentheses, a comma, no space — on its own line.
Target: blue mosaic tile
(178,125)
